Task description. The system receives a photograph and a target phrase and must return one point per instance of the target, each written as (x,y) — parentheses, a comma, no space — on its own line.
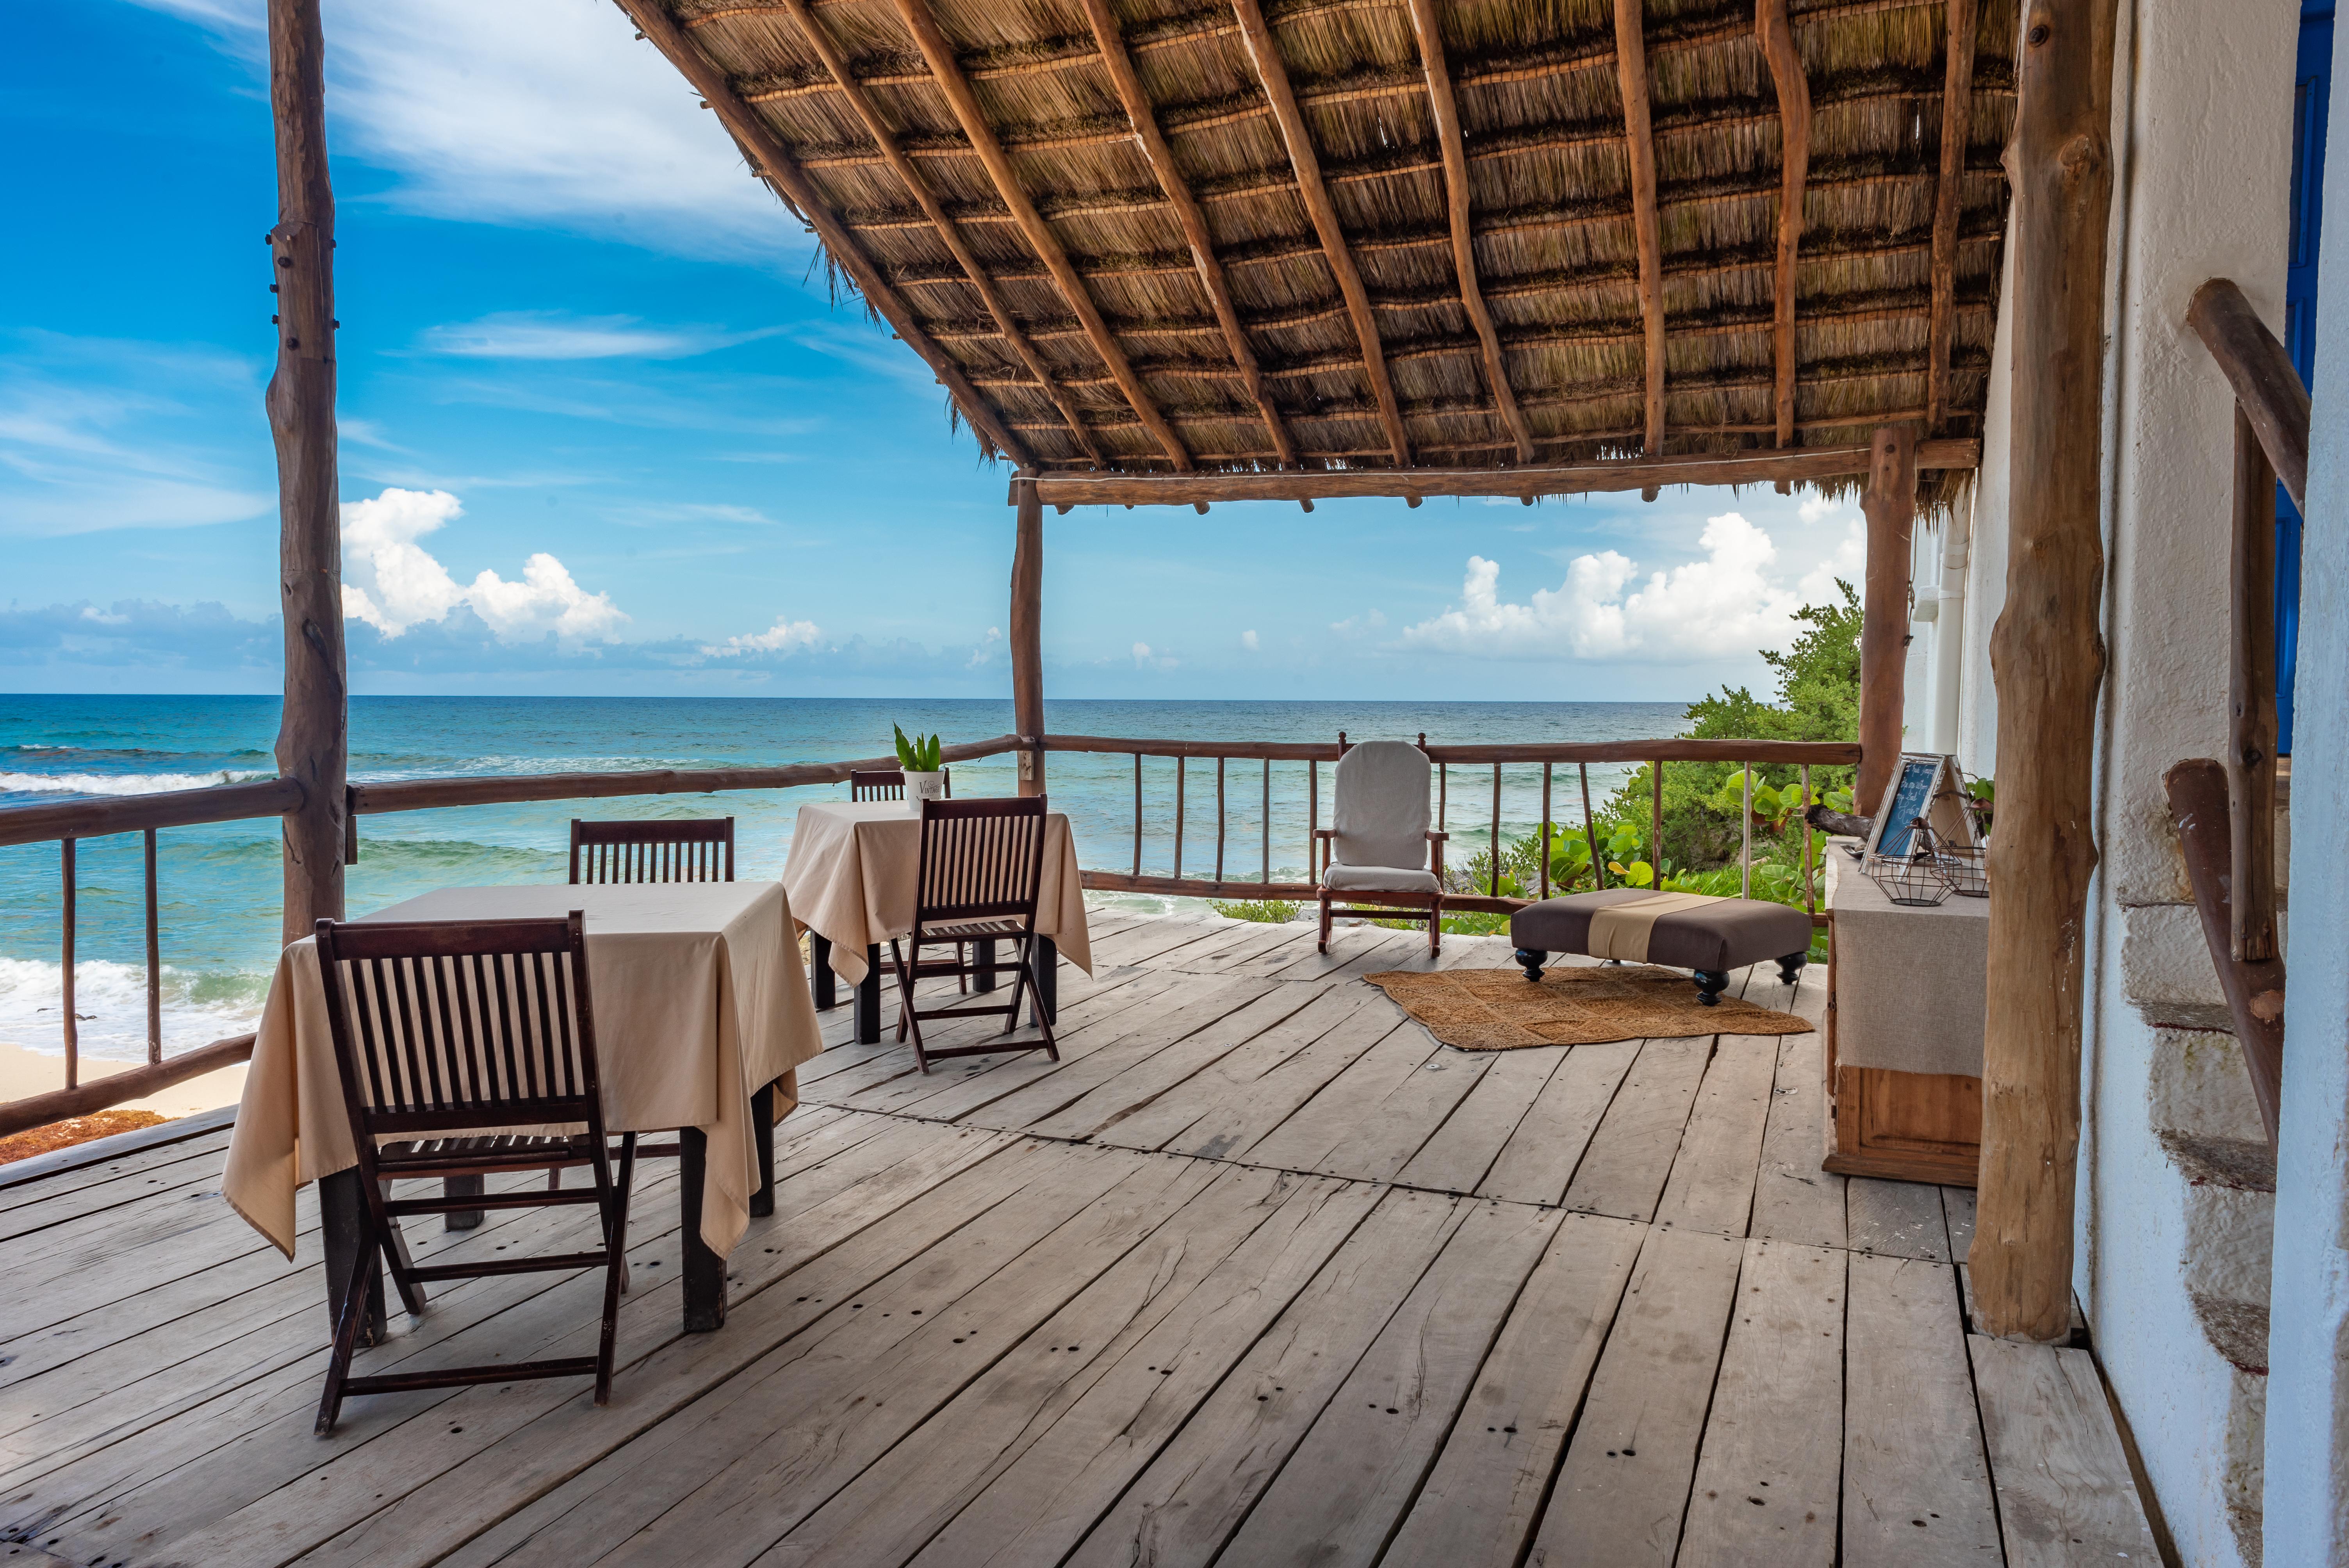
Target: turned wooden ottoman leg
(1790,967)
(1531,959)
(1709,985)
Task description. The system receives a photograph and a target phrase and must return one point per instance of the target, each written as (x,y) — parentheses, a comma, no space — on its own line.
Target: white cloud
(1144,659)
(1248,641)
(556,334)
(1724,605)
(990,648)
(528,112)
(391,583)
(785,637)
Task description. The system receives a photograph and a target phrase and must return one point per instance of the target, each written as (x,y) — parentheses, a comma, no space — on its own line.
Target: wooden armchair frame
(1392,903)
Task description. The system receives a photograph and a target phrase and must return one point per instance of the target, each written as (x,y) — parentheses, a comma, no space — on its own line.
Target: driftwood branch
(1956,130)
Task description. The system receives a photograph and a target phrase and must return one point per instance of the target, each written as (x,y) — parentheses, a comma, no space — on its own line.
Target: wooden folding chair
(699,849)
(445,1031)
(889,783)
(982,865)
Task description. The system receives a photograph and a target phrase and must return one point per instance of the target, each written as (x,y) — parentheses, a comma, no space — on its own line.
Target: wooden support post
(2251,705)
(1639,147)
(1891,503)
(313,739)
(1777,37)
(1028,637)
(2047,656)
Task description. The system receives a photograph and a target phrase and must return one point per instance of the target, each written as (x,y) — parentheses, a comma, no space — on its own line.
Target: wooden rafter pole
(1144,118)
(938,54)
(1890,504)
(2047,656)
(1957,123)
(1264,54)
(1432,59)
(314,729)
(775,164)
(1640,145)
(948,229)
(1777,40)
(1027,633)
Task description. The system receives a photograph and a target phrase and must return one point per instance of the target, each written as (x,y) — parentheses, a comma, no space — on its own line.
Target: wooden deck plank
(1711,1183)
(1242,1072)
(1232,1123)
(720,1479)
(1295,943)
(1767,1480)
(887,1513)
(186,1474)
(1348,944)
(1958,1213)
(1229,956)
(1485,1496)
(1369,1120)
(43,1204)
(1622,1173)
(1152,1073)
(2065,1497)
(1539,1159)
(1338,1499)
(1043,1503)
(1624,1488)
(1794,1198)
(1461,1153)
(1187,1503)
(1916,1489)
(1899,1219)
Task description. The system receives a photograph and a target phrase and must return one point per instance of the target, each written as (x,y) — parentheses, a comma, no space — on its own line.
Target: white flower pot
(920,787)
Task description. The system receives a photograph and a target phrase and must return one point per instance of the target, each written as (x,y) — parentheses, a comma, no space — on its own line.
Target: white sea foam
(110,1003)
(116,783)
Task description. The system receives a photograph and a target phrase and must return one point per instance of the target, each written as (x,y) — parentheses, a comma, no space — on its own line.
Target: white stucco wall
(2307,1335)
(2202,141)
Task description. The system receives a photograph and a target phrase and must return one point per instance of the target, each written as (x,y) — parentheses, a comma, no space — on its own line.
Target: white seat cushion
(1382,878)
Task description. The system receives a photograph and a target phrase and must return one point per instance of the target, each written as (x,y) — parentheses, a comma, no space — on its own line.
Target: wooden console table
(1905,988)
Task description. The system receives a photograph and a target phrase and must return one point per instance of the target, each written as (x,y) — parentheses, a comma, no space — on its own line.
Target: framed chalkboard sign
(1925,785)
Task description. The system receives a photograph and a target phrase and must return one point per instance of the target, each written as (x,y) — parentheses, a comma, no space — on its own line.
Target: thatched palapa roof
(1147,236)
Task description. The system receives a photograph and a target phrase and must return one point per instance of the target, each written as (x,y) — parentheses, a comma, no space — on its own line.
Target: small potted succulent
(917,757)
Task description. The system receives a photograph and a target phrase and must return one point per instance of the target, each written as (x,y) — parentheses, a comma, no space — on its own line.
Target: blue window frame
(2311,90)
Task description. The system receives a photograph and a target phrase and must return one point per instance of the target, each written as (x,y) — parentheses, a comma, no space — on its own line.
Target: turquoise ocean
(220,884)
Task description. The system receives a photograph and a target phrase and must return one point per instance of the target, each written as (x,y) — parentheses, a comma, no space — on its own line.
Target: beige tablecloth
(1910,983)
(853,868)
(700,1000)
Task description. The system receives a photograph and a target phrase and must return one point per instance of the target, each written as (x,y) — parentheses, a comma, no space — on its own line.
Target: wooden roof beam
(1799,464)
(1776,37)
(1640,145)
(775,164)
(1194,222)
(1006,325)
(1957,123)
(1424,23)
(939,54)
(1264,54)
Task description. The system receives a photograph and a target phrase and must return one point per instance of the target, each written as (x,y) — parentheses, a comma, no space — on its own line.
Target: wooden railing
(68,823)
(2225,812)
(1547,756)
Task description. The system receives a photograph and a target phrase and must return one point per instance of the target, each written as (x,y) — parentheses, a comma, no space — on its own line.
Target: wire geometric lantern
(1968,867)
(1920,879)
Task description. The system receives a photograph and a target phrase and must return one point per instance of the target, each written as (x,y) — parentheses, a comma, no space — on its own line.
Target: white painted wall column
(2307,1490)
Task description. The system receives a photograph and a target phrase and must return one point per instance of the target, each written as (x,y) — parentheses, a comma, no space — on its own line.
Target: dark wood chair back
(443,1025)
(889,783)
(699,849)
(981,860)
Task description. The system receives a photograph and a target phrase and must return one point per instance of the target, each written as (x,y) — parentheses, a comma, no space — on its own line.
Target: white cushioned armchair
(1378,849)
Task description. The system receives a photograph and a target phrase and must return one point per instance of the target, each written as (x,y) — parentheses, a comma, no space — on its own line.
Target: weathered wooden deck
(1256,1274)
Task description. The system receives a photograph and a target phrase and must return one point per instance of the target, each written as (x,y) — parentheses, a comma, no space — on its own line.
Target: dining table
(851,879)
(703,1016)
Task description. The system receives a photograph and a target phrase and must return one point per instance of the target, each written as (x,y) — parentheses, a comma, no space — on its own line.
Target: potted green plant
(917,758)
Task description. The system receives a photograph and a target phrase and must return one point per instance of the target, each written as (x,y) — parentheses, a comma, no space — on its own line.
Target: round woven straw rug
(1500,1009)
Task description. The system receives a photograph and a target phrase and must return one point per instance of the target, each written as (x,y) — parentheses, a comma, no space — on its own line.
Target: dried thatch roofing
(1099,292)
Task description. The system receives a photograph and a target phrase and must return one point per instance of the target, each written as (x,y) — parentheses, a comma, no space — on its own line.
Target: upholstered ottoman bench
(1683,930)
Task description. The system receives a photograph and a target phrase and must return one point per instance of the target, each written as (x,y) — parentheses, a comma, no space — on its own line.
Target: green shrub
(1269,910)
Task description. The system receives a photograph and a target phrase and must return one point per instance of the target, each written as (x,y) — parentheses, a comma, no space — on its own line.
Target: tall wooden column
(1027,633)
(313,731)
(2047,656)
(1890,505)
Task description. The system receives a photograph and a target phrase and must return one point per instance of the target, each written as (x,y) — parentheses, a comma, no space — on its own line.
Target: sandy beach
(25,1073)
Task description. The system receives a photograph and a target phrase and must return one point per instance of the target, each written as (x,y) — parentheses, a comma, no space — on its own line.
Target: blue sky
(605,429)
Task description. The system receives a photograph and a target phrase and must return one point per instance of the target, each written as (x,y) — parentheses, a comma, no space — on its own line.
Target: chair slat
(699,849)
